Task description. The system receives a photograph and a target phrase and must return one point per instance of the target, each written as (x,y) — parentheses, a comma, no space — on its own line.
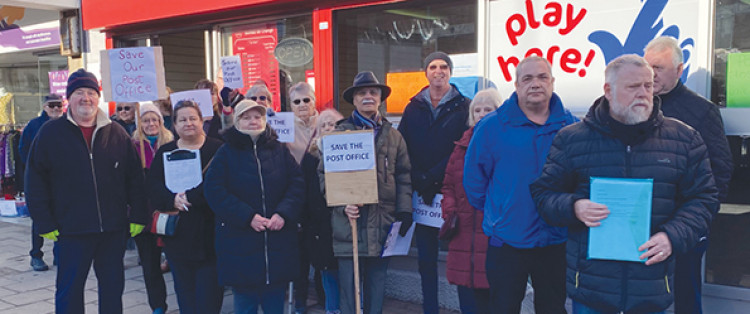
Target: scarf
(363,122)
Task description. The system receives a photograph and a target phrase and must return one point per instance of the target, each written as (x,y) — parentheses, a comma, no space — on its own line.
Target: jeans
(508,269)
(330,279)
(580,308)
(196,284)
(427,247)
(473,301)
(76,254)
(373,270)
(150,255)
(302,283)
(688,280)
(271,299)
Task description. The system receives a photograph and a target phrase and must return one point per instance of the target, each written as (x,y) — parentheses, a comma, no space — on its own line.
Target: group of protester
(514,177)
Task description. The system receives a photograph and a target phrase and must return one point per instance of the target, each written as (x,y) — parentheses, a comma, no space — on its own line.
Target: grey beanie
(438,55)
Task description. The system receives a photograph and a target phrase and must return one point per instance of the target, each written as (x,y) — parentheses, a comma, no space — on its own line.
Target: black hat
(438,55)
(366,79)
(52,98)
(79,79)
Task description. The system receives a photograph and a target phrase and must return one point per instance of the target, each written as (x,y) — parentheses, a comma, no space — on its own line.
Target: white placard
(283,124)
(465,64)
(349,151)
(182,170)
(200,96)
(231,67)
(8,208)
(580,37)
(395,244)
(133,74)
(428,215)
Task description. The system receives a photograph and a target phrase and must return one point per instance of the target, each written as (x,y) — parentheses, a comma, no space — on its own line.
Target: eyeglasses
(54,105)
(298,101)
(254,98)
(126,108)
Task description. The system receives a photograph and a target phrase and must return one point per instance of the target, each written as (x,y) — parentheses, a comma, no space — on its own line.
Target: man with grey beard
(625,135)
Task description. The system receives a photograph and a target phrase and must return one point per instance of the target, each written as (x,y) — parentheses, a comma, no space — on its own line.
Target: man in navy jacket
(84,188)
(665,56)
(505,155)
(433,120)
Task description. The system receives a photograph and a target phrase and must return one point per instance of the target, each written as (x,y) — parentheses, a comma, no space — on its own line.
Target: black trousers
(150,255)
(688,280)
(508,269)
(196,284)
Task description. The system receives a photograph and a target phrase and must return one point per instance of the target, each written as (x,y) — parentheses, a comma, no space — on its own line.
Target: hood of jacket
(599,119)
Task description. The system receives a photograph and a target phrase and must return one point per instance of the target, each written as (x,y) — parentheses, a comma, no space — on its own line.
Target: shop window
(729,250)
(392,41)
(277,53)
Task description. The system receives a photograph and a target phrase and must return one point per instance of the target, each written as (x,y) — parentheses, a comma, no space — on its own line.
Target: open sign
(294,52)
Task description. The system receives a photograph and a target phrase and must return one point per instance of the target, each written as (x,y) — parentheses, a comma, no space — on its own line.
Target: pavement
(23,290)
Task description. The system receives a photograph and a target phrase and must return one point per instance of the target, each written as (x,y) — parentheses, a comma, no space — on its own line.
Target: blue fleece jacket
(505,155)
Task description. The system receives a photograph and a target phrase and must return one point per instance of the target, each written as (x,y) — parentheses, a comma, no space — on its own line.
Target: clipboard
(182,170)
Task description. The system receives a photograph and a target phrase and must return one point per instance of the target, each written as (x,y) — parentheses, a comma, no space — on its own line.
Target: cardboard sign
(359,184)
(232,70)
(348,151)
(133,74)
(428,215)
(283,124)
(579,38)
(58,82)
(200,96)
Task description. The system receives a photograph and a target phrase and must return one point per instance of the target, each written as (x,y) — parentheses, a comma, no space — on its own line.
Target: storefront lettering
(552,18)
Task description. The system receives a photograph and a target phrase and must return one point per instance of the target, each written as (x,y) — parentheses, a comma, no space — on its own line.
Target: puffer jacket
(684,194)
(685,105)
(467,250)
(394,195)
(246,178)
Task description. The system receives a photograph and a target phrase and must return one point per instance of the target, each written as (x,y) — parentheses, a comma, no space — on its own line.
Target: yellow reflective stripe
(577,272)
(666,281)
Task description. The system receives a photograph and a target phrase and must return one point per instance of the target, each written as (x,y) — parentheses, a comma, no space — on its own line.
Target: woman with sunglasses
(148,137)
(302,98)
(190,250)
(260,94)
(125,115)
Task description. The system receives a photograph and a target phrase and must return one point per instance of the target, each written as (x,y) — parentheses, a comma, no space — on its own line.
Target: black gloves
(406,222)
(426,188)
(229,97)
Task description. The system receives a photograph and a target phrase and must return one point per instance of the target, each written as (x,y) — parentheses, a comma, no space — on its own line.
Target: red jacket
(468,249)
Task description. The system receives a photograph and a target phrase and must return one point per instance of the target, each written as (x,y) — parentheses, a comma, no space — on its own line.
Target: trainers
(38,264)
(159,311)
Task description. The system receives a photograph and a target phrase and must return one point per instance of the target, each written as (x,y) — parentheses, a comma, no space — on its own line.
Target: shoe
(300,310)
(38,264)
(159,311)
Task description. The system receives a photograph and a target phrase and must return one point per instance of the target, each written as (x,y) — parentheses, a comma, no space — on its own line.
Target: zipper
(624,285)
(628,156)
(666,282)
(93,176)
(577,273)
(263,200)
(386,168)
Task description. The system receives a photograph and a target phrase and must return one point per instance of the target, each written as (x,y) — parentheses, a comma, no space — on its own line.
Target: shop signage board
(294,52)
(349,163)
(579,38)
(202,97)
(231,68)
(24,28)
(255,46)
(133,74)
(58,82)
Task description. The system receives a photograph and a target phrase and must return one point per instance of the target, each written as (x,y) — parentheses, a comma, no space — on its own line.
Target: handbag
(449,229)
(164,224)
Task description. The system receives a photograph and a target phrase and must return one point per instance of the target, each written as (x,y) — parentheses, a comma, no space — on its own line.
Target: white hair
(666,43)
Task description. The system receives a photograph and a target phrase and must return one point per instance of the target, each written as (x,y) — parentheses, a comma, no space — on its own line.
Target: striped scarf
(366,123)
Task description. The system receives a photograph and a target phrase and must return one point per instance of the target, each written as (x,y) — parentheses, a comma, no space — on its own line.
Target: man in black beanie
(84,189)
(433,120)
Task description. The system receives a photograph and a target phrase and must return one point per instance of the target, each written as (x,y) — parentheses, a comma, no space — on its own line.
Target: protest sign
(133,74)
(283,124)
(232,70)
(427,214)
(202,97)
(349,163)
(58,82)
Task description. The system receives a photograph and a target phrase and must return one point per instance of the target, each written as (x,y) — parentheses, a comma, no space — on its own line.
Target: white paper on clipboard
(182,169)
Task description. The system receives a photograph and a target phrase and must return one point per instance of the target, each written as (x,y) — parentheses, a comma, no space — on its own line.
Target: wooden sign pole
(355,248)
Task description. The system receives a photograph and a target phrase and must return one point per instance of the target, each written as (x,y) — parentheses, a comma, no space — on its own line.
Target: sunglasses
(254,98)
(126,108)
(298,101)
(54,105)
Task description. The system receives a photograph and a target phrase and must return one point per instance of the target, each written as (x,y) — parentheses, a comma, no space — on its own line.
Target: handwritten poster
(283,124)
(231,69)
(579,38)
(200,96)
(58,82)
(348,152)
(133,74)
(255,46)
(738,80)
(427,214)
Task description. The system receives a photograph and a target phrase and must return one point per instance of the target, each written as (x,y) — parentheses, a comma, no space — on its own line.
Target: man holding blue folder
(623,137)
